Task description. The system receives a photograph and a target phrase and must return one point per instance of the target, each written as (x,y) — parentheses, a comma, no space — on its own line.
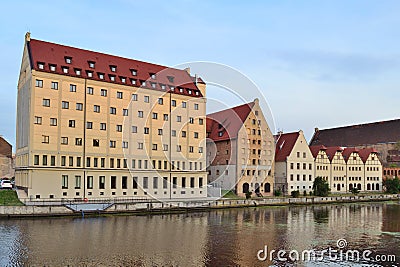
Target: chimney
(195,79)
(187,70)
(27,36)
(316,129)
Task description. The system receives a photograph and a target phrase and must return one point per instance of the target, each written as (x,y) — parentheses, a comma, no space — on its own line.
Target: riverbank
(176,206)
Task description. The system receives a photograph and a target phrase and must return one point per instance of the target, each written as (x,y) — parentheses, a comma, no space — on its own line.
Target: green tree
(355,190)
(392,185)
(295,193)
(321,187)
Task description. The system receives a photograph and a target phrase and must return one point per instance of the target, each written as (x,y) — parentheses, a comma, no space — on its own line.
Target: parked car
(5,184)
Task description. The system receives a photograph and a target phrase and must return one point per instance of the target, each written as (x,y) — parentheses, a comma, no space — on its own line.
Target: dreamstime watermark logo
(340,254)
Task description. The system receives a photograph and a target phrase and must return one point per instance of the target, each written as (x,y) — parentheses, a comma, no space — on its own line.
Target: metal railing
(69,201)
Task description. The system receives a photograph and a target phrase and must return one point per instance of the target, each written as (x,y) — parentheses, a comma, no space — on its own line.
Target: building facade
(240,149)
(6,159)
(338,170)
(294,163)
(91,125)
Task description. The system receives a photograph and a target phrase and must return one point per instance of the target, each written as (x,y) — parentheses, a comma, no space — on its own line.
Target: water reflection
(218,238)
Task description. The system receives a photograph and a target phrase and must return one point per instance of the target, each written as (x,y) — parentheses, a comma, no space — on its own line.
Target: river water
(231,237)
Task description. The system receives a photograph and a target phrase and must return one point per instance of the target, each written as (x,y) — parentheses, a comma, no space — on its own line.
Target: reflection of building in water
(169,240)
(391,223)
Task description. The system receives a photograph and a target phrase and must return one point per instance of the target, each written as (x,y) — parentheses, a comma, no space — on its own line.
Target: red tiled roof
(359,135)
(347,152)
(228,121)
(56,54)
(331,151)
(284,145)
(316,149)
(364,153)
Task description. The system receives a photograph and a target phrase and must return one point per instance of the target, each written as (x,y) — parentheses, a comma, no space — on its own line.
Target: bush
(355,191)
(277,192)
(392,185)
(295,193)
(321,187)
(305,193)
(248,194)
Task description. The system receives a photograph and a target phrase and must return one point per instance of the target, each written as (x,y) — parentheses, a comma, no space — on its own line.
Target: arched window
(245,188)
(267,187)
(257,188)
(368,187)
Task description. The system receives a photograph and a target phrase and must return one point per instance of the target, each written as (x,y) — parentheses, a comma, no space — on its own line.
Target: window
(165,117)
(124,144)
(123,79)
(39,83)
(124,182)
(41,66)
(64,140)
(143,83)
(36,160)
(111,163)
(78,161)
(71,161)
(174,182)
(89,125)
(304,154)
(88,160)
(191,182)
(183,182)
(160,101)
(78,141)
(160,132)
(298,154)
(113,110)
(44,160)
(46,102)
(140,145)
(90,90)
(103,92)
(183,133)
(71,123)
(125,112)
(53,67)
(191,149)
(178,148)
(103,126)
(173,133)
(102,162)
(146,130)
(46,139)
(113,182)
(173,103)
(201,121)
(146,99)
(54,85)
(201,182)
(220,133)
(77,71)
(119,128)
(79,106)
(89,182)
(64,182)
(183,104)
(200,150)
(178,118)
(154,147)
(89,74)
(145,182)
(91,64)
(155,116)
(140,114)
(53,161)
(38,120)
(119,95)
(134,129)
(102,182)
(63,160)
(96,142)
(112,144)
(65,104)
(196,135)
(165,147)
(134,97)
(77,182)
(196,106)
(191,120)
(134,72)
(68,60)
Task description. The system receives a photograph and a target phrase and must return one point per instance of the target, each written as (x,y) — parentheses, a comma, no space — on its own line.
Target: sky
(318,63)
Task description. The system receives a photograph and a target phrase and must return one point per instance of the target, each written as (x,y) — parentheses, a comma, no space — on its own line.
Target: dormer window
(133,81)
(101,76)
(220,133)
(143,83)
(53,67)
(113,68)
(162,86)
(68,60)
(134,72)
(189,91)
(89,74)
(197,92)
(91,64)
(153,85)
(153,76)
(170,79)
(181,90)
(65,69)
(77,71)
(123,79)
(172,88)
(112,78)
(40,65)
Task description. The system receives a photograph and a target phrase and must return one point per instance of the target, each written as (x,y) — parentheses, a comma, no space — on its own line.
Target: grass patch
(228,194)
(9,198)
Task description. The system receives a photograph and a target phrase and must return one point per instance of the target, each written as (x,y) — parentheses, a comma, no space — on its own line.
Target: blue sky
(318,63)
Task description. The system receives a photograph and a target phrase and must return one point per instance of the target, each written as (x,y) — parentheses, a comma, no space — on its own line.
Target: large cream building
(240,150)
(93,125)
(294,163)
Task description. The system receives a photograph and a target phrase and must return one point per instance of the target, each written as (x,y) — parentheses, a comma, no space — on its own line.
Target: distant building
(294,163)
(240,149)
(391,172)
(6,159)
(384,136)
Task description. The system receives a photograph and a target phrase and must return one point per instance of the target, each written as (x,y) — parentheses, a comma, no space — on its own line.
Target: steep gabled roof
(284,145)
(357,135)
(114,69)
(316,149)
(331,151)
(364,153)
(228,122)
(347,152)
